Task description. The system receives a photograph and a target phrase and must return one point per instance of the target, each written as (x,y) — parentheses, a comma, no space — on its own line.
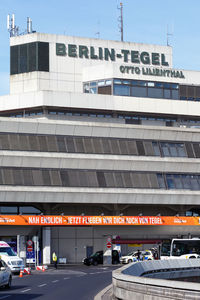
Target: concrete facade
(54,132)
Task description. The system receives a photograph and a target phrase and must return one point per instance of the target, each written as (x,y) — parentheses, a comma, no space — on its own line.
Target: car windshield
(95,254)
(7,251)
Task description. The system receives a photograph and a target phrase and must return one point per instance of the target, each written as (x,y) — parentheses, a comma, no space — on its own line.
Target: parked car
(5,275)
(97,258)
(133,256)
(129,258)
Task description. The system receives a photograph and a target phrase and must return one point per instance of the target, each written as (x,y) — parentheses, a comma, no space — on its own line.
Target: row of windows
(97,179)
(134,88)
(142,88)
(129,118)
(92,145)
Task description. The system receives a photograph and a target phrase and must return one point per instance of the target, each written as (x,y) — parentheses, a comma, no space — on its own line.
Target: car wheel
(129,261)
(8,285)
(95,263)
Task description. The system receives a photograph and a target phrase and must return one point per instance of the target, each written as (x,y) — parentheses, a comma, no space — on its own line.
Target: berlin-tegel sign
(141,60)
(96,220)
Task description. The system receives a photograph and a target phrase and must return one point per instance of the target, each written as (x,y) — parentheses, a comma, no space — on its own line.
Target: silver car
(5,275)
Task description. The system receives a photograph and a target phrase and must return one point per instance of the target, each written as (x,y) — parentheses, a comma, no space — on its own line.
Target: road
(71,283)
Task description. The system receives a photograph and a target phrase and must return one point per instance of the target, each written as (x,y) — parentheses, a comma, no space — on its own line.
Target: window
(121,90)
(29,57)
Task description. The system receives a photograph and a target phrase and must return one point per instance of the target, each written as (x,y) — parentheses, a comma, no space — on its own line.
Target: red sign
(30,248)
(108,245)
(29,243)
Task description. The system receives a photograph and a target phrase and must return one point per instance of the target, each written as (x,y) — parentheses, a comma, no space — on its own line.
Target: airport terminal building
(99,142)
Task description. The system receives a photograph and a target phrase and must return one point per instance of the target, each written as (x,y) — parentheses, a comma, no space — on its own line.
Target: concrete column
(46,247)
(21,247)
(107,252)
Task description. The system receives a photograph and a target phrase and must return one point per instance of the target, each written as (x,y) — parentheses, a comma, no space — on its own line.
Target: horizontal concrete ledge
(49,194)
(76,128)
(57,160)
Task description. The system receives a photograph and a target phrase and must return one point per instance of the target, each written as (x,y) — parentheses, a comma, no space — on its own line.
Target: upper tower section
(62,63)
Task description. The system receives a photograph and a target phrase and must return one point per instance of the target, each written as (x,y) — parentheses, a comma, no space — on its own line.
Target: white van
(14,262)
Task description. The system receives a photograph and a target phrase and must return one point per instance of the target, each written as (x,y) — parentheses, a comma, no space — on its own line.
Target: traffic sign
(29,243)
(108,245)
(30,248)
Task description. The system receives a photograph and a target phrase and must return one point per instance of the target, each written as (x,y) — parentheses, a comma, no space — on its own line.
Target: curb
(105,294)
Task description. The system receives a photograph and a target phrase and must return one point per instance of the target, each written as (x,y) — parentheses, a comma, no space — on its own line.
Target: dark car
(97,258)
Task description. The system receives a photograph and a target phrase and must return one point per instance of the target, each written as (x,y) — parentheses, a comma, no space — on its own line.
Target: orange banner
(95,220)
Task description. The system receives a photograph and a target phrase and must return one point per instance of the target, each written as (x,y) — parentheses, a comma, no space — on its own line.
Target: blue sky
(145,21)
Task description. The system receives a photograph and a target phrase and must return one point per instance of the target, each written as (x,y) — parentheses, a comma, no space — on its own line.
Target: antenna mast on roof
(12,28)
(168,35)
(120,19)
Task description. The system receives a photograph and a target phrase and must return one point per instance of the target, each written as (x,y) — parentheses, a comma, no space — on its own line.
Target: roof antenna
(168,36)
(120,19)
(12,28)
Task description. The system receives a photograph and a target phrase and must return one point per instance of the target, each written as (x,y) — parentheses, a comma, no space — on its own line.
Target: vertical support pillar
(21,247)
(46,247)
(107,252)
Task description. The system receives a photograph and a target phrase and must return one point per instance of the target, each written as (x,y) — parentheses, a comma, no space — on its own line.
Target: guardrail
(147,280)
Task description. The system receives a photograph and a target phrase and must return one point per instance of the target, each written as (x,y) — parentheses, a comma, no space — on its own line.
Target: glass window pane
(74,178)
(186,182)
(83,179)
(79,145)
(173,150)
(127,179)
(101,179)
(106,146)
(27,177)
(181,150)
(155,93)
(153,181)
(61,144)
(148,148)
(121,90)
(7,176)
(138,91)
(118,180)
(55,178)
(114,146)
(97,146)
(64,178)
(165,149)
(156,148)
(177,181)
(132,148)
(92,179)
(43,143)
(170,182)
(24,142)
(194,183)
(17,177)
(70,144)
(161,181)
(123,147)
(109,179)
(37,177)
(167,94)
(175,94)
(51,143)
